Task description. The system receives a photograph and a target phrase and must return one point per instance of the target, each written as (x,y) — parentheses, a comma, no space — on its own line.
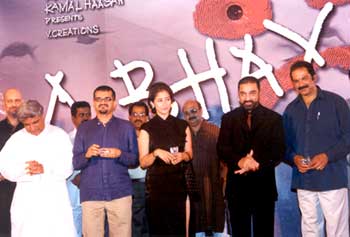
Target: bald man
(209,211)
(8,126)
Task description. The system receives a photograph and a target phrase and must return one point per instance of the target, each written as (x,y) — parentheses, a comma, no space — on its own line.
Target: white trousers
(329,205)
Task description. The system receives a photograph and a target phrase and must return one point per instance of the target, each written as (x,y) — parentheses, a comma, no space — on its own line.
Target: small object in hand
(174,149)
(103,151)
(306,160)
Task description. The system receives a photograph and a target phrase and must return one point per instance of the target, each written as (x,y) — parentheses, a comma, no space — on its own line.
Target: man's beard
(138,123)
(251,106)
(103,109)
(194,121)
(13,112)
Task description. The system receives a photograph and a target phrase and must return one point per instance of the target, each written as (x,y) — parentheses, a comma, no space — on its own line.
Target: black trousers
(139,219)
(248,215)
(7,189)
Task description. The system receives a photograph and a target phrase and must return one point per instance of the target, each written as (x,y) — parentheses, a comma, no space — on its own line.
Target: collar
(255,111)
(19,125)
(98,122)
(169,118)
(203,123)
(320,95)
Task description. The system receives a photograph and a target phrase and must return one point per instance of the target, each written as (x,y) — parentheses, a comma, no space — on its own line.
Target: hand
(300,164)
(319,161)
(178,157)
(247,163)
(110,152)
(93,150)
(34,167)
(76,180)
(164,155)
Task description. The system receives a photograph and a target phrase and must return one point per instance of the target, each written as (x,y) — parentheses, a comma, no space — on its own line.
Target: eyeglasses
(191,111)
(138,114)
(82,115)
(106,99)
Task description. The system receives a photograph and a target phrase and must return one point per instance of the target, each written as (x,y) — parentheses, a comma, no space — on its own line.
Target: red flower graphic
(320,3)
(231,19)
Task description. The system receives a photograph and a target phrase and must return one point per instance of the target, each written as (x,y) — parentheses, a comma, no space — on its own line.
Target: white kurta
(40,205)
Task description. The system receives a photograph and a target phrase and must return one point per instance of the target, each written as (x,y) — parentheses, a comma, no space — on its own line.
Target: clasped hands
(168,157)
(247,163)
(96,150)
(34,167)
(318,162)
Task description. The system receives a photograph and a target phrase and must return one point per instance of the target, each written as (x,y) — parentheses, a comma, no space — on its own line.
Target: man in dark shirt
(317,128)
(138,115)
(8,126)
(251,142)
(210,209)
(104,148)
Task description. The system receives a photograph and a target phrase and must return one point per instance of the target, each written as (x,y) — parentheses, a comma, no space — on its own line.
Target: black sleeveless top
(165,183)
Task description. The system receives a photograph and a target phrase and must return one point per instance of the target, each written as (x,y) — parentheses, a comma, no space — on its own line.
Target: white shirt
(137,173)
(40,205)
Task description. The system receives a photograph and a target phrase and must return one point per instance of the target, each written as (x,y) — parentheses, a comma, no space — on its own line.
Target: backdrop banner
(59,51)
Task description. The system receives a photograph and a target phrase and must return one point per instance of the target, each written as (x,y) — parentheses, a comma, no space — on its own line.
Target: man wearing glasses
(104,148)
(138,115)
(210,210)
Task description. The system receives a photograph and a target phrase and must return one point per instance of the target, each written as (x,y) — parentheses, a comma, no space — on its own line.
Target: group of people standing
(164,176)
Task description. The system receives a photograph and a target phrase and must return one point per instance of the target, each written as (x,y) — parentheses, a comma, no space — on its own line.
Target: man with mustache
(317,127)
(8,126)
(104,148)
(251,143)
(209,210)
(80,112)
(138,115)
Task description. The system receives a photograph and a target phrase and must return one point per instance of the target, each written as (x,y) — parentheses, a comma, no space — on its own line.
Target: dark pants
(5,235)
(7,189)
(246,216)
(139,220)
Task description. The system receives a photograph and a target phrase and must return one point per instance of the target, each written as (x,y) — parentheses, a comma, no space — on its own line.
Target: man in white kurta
(39,159)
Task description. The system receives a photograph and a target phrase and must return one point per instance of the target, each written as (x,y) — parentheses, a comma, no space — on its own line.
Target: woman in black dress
(165,146)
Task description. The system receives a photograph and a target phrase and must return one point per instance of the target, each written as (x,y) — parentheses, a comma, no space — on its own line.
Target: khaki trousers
(118,213)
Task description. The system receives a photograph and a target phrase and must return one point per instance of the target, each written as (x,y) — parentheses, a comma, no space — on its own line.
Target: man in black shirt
(251,142)
(8,126)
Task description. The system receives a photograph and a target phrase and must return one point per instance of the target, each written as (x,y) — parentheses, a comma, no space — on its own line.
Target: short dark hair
(249,79)
(77,105)
(302,64)
(138,104)
(153,91)
(105,88)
